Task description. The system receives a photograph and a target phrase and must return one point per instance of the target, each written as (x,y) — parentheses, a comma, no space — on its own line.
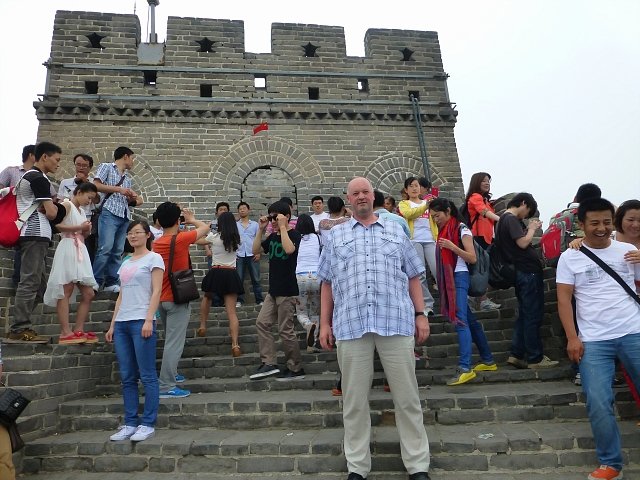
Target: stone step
(287,406)
(226,367)
(201,380)
(561,473)
(102,311)
(500,448)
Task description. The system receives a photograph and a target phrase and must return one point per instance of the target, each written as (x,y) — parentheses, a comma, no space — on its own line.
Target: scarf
(445,266)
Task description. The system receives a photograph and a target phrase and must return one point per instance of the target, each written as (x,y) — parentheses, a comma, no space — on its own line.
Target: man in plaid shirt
(114,181)
(371,299)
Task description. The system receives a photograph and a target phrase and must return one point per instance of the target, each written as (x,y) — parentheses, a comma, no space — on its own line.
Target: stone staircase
(506,425)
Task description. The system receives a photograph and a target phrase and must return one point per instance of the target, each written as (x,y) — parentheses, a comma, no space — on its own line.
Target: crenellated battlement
(189,105)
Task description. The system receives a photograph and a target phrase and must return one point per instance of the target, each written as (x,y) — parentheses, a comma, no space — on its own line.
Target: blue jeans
(112,231)
(137,360)
(243,263)
(472,330)
(526,342)
(597,369)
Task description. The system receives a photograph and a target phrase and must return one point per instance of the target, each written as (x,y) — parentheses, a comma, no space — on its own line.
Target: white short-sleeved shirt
(135,286)
(461,265)
(317,218)
(604,310)
(308,253)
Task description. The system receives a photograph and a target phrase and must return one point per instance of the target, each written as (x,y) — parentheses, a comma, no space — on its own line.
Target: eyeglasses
(82,165)
(136,232)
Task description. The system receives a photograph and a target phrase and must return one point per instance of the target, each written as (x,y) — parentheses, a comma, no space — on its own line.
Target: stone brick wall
(199,150)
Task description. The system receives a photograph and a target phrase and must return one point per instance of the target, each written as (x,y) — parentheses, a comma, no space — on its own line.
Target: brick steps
(224,369)
(498,448)
(302,408)
(563,473)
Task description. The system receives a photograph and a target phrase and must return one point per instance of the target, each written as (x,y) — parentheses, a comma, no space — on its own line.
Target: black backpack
(464,215)
(502,271)
(479,271)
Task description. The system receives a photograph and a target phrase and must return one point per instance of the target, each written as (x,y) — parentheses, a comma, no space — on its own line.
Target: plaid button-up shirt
(109,174)
(9,176)
(369,270)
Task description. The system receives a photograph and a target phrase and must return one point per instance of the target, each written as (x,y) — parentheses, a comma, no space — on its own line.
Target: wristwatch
(417,314)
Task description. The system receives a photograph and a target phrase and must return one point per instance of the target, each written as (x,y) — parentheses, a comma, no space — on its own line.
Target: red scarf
(445,268)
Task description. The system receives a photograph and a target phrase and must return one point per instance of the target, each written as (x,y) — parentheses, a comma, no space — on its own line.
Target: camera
(181,218)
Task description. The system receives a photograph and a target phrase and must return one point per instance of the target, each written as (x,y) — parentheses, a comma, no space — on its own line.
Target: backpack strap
(24,216)
(612,273)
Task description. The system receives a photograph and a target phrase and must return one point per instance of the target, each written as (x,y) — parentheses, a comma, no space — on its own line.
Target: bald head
(360,196)
(359,182)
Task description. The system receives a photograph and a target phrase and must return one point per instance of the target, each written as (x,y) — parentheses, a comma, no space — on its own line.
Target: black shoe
(287,375)
(355,476)
(265,371)
(419,476)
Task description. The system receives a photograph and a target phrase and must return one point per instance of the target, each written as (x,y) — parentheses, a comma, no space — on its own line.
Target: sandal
(235,351)
(201,332)
(89,337)
(72,339)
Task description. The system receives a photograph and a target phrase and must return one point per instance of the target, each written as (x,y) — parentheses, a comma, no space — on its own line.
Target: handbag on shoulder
(12,403)
(183,282)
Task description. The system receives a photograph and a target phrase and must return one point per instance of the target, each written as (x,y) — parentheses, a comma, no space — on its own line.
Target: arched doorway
(265,185)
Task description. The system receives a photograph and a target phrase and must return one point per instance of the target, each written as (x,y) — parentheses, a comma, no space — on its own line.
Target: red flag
(261,127)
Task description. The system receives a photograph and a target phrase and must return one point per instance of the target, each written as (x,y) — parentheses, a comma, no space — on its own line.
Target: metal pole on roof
(153,36)
(423,148)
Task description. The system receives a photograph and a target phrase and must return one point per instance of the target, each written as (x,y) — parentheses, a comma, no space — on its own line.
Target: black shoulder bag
(612,273)
(183,282)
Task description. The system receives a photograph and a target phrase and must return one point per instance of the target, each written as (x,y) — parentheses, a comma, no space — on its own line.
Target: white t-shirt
(461,265)
(604,310)
(219,256)
(317,217)
(421,227)
(156,232)
(135,286)
(308,253)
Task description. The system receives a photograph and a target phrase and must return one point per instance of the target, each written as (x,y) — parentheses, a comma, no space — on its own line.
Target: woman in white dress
(71,268)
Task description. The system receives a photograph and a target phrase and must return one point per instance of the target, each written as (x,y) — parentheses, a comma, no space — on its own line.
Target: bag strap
(611,272)
(106,197)
(172,248)
(24,216)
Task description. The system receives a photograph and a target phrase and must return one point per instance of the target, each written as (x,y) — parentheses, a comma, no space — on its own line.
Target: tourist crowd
(359,278)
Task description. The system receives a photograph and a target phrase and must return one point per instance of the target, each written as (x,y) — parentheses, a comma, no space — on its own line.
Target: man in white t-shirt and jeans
(608,322)
(317,205)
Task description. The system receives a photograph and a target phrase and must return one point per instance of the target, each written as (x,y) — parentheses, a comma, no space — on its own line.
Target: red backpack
(557,236)
(10,222)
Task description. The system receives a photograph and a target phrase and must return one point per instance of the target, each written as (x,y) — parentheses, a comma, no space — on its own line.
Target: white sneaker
(112,288)
(238,304)
(124,433)
(142,433)
(487,304)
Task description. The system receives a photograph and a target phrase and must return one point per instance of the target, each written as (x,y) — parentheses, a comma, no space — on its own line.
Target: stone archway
(267,153)
(265,185)
(388,173)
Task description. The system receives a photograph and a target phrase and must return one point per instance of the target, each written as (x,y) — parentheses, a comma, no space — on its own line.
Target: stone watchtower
(188,108)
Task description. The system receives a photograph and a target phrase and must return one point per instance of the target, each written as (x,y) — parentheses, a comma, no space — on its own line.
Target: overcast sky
(547,90)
